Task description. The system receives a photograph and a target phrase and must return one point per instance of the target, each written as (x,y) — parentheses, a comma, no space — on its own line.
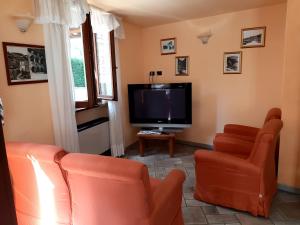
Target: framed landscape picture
(25,63)
(232,63)
(253,37)
(182,66)
(168,46)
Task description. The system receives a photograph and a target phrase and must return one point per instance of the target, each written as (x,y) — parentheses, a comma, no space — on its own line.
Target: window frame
(114,68)
(91,68)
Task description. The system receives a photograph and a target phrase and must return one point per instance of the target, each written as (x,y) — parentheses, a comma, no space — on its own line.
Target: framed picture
(182,66)
(232,63)
(253,37)
(168,46)
(25,63)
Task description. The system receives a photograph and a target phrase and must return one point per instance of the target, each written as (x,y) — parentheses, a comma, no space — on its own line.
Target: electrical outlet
(152,73)
(159,73)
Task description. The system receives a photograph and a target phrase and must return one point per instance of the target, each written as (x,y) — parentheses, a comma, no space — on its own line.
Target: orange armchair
(117,191)
(54,187)
(244,184)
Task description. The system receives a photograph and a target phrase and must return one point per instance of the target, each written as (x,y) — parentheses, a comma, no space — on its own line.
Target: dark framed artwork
(182,66)
(232,63)
(25,63)
(253,37)
(168,46)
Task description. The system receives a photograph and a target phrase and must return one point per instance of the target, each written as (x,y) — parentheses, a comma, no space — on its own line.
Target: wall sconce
(204,36)
(23,22)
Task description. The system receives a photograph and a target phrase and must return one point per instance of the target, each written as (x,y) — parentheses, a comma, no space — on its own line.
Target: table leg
(142,146)
(171,147)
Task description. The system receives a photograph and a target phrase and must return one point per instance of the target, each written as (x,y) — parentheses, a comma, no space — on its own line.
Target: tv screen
(157,104)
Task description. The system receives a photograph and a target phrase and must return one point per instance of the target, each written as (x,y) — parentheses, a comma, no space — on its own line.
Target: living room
(267,78)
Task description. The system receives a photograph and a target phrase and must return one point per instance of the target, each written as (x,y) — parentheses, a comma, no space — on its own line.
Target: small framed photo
(232,63)
(182,66)
(253,37)
(168,46)
(24,63)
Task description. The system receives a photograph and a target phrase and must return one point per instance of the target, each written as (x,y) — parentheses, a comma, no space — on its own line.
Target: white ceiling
(154,12)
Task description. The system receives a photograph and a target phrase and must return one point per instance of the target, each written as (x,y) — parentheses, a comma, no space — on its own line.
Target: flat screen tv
(160,105)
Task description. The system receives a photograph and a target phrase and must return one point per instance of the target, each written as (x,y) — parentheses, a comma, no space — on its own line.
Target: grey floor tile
(210,209)
(193,202)
(193,215)
(291,210)
(232,224)
(251,220)
(188,196)
(221,218)
(287,223)
(223,210)
(287,197)
(276,214)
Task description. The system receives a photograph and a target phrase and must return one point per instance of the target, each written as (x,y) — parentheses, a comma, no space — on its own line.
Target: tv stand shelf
(170,137)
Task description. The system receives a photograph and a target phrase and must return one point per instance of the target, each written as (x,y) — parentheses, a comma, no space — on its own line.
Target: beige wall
(27,107)
(290,138)
(219,99)
(131,54)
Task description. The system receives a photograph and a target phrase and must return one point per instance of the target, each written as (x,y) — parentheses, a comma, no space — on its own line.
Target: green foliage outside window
(78,72)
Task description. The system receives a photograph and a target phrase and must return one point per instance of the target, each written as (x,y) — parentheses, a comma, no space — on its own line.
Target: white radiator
(94,136)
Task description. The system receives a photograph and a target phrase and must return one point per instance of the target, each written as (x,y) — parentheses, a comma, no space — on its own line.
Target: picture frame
(168,46)
(232,62)
(182,66)
(25,64)
(254,37)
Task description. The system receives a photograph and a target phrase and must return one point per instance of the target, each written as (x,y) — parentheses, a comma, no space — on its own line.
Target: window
(78,65)
(106,65)
(93,65)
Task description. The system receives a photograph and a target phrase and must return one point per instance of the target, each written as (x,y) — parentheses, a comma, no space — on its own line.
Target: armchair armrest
(167,199)
(226,162)
(241,130)
(231,145)
(224,171)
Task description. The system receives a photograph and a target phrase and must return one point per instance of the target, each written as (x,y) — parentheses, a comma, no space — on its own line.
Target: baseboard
(195,144)
(283,187)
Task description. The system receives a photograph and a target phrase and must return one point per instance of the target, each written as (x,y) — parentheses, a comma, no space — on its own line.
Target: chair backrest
(264,147)
(274,113)
(113,191)
(40,191)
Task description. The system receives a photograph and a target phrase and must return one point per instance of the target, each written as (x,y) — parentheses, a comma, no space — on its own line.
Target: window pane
(104,64)
(78,67)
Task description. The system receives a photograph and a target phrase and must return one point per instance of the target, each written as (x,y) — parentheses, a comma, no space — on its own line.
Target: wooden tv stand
(170,137)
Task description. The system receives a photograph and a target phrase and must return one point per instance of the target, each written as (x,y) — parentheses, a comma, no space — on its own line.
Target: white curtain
(115,114)
(57,16)
(106,22)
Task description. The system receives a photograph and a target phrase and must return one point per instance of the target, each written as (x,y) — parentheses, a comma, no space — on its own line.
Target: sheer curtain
(103,23)
(57,16)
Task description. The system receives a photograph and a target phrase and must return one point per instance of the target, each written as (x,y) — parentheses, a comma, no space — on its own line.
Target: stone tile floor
(285,208)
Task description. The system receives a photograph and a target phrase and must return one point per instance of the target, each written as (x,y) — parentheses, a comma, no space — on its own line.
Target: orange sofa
(54,187)
(247,184)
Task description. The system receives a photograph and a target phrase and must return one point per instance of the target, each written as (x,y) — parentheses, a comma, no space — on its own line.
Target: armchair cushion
(241,130)
(231,145)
